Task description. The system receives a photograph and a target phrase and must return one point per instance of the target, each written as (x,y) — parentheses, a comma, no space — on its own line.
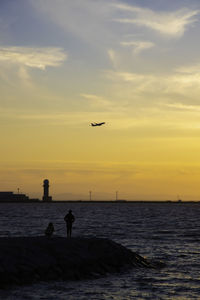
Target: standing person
(69,219)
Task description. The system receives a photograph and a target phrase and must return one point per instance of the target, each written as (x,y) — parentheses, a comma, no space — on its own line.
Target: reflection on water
(167,232)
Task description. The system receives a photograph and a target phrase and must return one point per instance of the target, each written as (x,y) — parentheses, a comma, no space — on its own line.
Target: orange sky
(132,65)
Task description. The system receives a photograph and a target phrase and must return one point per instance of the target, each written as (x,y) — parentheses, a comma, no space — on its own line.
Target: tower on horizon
(46,197)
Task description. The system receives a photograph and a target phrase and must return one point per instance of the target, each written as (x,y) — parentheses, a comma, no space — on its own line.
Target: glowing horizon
(131,64)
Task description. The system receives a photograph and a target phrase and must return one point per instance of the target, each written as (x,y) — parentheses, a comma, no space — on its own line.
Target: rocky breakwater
(25,260)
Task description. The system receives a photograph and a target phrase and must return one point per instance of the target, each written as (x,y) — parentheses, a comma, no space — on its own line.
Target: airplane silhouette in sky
(98,124)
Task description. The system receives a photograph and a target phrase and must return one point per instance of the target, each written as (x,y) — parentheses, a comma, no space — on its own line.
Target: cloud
(176,82)
(24,76)
(96,101)
(181,106)
(88,20)
(138,46)
(171,24)
(146,93)
(191,69)
(188,76)
(102,104)
(39,58)
(127,76)
(113,57)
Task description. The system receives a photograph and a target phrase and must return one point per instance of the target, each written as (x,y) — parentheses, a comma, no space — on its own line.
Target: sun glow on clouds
(167,23)
(39,58)
(181,106)
(179,82)
(145,86)
(98,102)
(138,46)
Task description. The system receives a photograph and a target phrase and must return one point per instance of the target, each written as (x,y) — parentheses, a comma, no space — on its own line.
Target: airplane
(98,124)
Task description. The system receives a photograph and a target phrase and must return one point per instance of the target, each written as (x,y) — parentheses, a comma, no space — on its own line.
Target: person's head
(70,211)
(50,224)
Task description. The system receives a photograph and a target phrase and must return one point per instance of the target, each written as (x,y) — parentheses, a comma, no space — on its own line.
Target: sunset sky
(132,64)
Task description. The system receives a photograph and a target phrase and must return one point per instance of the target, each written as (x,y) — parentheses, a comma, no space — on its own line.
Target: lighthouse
(46,197)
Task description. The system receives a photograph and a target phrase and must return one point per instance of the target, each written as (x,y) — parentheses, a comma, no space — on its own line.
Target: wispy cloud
(184,81)
(149,90)
(96,100)
(99,103)
(138,46)
(190,69)
(166,23)
(113,57)
(127,76)
(24,76)
(39,58)
(84,19)
(184,107)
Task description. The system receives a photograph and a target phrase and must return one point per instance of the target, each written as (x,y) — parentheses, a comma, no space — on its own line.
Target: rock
(30,259)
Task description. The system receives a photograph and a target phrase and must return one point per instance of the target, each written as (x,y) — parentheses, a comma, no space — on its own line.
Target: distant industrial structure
(12,197)
(46,197)
(19,197)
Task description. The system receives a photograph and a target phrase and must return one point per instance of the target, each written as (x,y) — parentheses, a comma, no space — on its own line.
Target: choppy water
(168,232)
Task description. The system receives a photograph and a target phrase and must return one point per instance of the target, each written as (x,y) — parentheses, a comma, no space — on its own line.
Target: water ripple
(169,233)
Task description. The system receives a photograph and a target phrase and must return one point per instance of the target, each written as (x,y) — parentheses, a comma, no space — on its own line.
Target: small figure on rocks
(69,219)
(49,230)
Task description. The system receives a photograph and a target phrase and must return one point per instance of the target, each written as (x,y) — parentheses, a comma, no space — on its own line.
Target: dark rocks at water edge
(26,260)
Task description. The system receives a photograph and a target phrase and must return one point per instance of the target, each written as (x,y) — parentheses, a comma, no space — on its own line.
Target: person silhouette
(69,219)
(49,230)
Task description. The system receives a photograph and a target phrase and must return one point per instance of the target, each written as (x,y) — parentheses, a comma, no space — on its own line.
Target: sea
(162,232)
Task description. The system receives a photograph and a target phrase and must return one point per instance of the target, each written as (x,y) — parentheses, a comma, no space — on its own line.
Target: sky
(133,64)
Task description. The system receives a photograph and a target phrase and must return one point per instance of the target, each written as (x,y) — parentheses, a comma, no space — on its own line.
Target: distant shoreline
(106,201)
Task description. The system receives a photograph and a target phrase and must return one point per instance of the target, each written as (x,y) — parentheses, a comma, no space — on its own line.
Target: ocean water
(167,232)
